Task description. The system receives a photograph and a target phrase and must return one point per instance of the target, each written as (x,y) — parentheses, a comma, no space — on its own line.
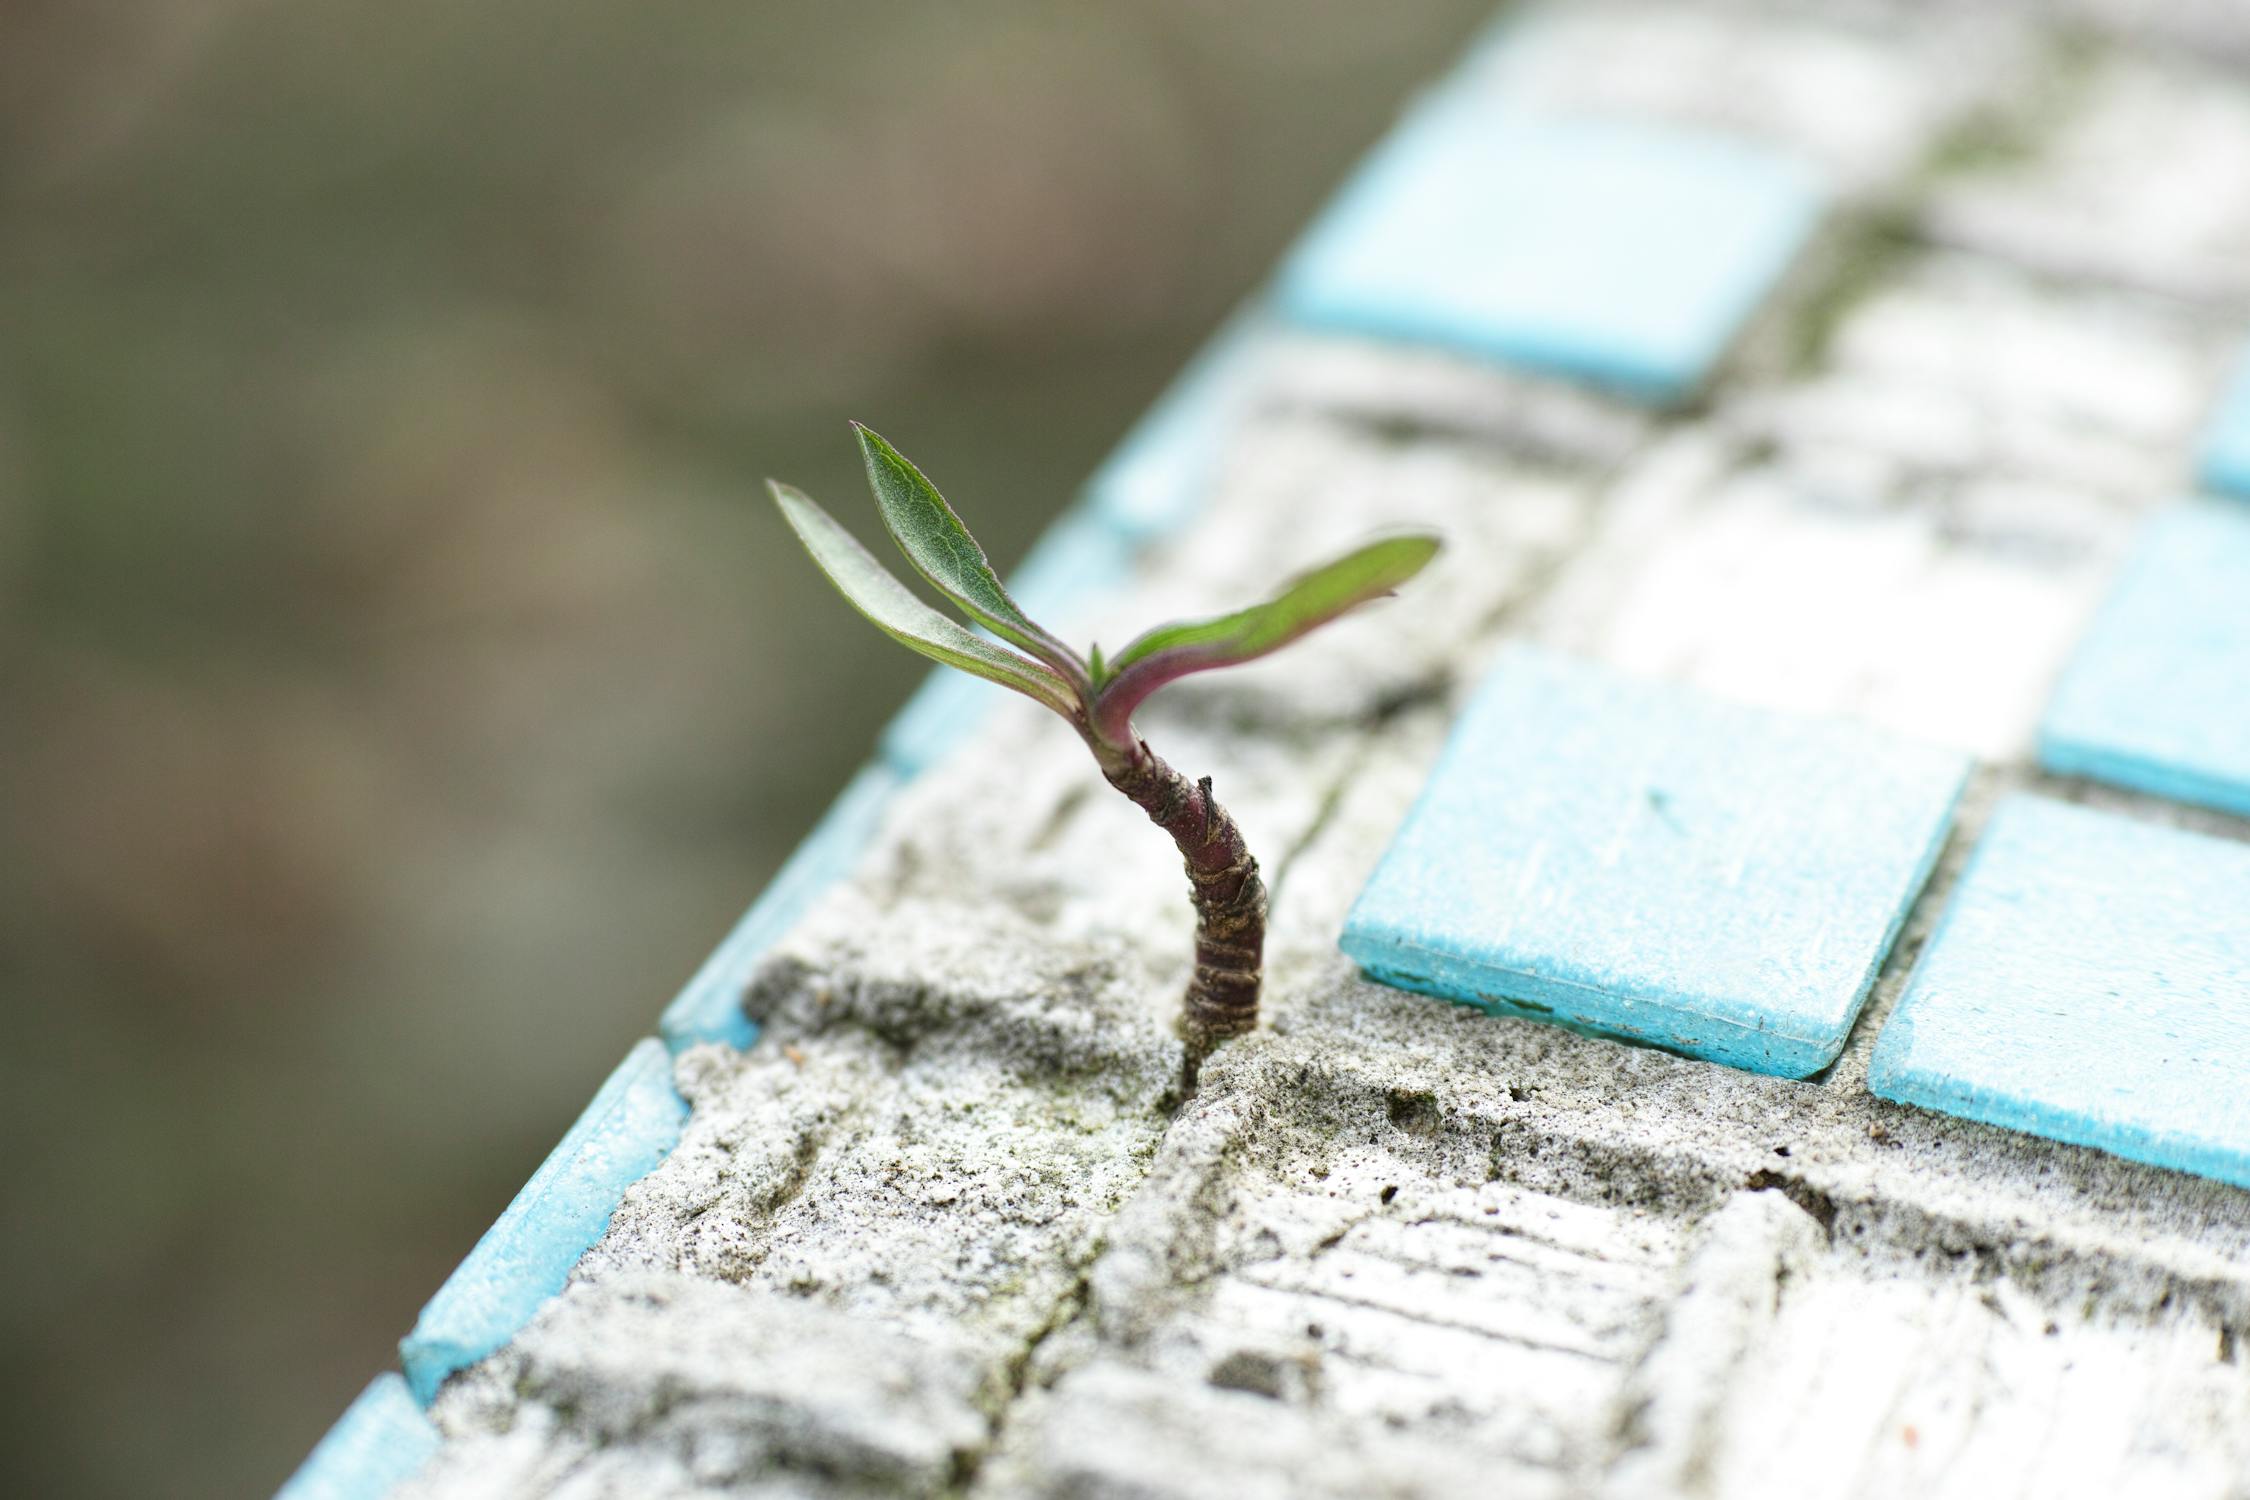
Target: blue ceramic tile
(2226,443)
(1625,254)
(710,1008)
(1160,475)
(1079,558)
(377,1444)
(2090,982)
(527,1254)
(1643,861)
(2157,697)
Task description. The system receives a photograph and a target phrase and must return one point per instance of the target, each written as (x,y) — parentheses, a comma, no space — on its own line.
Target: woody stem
(1230,899)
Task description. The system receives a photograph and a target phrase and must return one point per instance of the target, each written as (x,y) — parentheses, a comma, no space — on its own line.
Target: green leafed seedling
(1098,695)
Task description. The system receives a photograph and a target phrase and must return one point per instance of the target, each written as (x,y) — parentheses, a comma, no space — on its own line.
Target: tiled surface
(380,1440)
(2090,982)
(2157,697)
(526,1256)
(709,1009)
(1648,862)
(2226,444)
(1625,254)
(1988,422)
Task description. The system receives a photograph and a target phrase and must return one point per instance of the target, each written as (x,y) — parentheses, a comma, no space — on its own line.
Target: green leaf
(943,551)
(1303,605)
(899,614)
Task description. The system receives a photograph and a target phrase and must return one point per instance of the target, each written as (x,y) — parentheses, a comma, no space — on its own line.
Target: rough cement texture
(2080,199)
(949,1227)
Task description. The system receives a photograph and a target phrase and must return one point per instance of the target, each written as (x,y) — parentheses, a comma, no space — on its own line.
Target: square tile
(1643,861)
(2157,697)
(1620,253)
(2226,442)
(2089,982)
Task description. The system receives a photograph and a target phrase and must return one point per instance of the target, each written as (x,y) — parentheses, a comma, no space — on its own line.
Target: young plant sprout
(1097,695)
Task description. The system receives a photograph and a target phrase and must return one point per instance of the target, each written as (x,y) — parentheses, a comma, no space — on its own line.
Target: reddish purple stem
(1230,899)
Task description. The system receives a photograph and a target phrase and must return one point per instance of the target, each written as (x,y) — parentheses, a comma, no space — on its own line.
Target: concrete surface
(948,1228)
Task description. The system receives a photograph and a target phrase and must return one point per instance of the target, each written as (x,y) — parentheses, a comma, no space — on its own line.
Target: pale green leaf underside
(941,548)
(898,613)
(1302,605)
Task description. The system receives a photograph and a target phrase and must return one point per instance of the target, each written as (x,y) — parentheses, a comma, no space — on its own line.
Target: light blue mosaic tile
(2090,982)
(1079,558)
(2157,697)
(1160,476)
(527,1254)
(1621,253)
(379,1442)
(1643,861)
(2226,443)
(709,1009)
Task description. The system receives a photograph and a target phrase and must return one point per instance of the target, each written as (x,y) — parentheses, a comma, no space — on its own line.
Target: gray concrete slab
(950,1228)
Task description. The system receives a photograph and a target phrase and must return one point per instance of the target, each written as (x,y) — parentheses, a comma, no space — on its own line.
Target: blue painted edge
(2224,463)
(1901,1083)
(709,1008)
(528,1253)
(380,1441)
(2065,755)
(1555,1002)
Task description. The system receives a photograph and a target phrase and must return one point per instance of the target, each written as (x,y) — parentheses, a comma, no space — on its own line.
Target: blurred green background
(402,681)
